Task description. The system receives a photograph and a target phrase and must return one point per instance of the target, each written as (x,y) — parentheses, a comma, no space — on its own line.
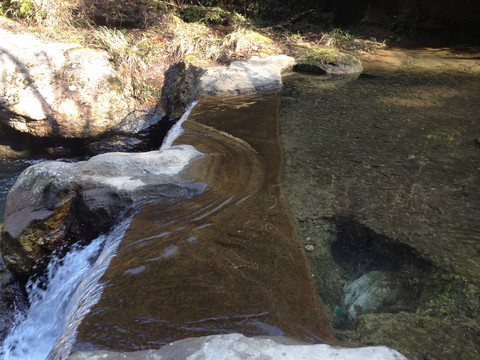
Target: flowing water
(225,261)
(221,262)
(380,172)
(59,302)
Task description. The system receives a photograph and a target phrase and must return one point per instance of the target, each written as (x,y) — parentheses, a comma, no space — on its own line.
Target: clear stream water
(396,150)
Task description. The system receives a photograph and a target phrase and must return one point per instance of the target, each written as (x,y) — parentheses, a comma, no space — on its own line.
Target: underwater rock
(369,293)
(54,203)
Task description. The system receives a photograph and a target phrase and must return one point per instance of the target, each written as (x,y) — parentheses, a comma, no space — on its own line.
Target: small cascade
(177,129)
(58,305)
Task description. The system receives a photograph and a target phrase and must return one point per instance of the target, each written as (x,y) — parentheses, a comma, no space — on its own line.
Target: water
(385,151)
(382,173)
(177,129)
(181,266)
(9,171)
(225,261)
(61,301)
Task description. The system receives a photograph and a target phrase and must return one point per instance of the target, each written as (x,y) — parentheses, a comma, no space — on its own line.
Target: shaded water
(221,262)
(9,171)
(382,174)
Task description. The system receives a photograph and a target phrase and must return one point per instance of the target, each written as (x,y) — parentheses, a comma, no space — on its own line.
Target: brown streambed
(382,173)
(224,261)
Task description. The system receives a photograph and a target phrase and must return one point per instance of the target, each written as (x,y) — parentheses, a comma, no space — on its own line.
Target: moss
(440,138)
(328,56)
(116,84)
(41,238)
(320,56)
(327,60)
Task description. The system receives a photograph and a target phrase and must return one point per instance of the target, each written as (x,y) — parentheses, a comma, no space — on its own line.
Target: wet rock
(55,203)
(236,346)
(369,293)
(12,299)
(329,61)
(51,89)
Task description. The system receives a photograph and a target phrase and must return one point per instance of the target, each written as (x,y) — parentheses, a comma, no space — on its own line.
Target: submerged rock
(369,293)
(236,346)
(52,89)
(54,203)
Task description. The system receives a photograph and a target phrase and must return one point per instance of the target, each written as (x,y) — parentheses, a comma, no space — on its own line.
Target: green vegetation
(205,15)
(141,35)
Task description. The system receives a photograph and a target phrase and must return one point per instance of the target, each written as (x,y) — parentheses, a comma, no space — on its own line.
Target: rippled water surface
(224,261)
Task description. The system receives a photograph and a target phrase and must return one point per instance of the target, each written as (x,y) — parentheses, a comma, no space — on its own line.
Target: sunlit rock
(52,201)
(52,89)
(239,77)
(237,347)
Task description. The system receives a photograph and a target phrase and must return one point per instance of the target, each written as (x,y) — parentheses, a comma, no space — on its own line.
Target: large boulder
(239,77)
(53,89)
(54,203)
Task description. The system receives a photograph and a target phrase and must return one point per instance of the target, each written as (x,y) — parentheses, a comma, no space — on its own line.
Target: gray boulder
(237,347)
(54,203)
(239,77)
(53,89)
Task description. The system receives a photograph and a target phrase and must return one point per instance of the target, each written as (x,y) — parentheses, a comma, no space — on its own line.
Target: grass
(132,56)
(343,40)
(168,32)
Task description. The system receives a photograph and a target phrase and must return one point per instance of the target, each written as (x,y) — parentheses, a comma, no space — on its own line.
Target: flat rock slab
(239,77)
(238,347)
(53,200)
(256,74)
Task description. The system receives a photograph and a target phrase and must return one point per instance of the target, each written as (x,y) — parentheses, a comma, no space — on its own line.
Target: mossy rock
(328,61)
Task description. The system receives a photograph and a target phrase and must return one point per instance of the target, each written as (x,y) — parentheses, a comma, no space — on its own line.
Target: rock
(329,61)
(369,293)
(52,89)
(12,300)
(239,77)
(54,203)
(236,346)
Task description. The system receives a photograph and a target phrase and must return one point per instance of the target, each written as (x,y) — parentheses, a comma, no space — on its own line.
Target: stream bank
(381,177)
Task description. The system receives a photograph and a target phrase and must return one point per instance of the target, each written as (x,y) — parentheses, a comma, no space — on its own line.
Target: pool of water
(381,173)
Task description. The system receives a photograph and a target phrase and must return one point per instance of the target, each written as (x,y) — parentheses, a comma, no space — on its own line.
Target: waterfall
(176,129)
(58,305)
(60,300)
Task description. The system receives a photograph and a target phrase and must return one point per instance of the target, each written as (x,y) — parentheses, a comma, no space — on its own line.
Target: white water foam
(57,308)
(177,129)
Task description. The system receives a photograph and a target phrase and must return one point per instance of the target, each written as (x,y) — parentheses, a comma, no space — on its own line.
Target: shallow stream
(380,175)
